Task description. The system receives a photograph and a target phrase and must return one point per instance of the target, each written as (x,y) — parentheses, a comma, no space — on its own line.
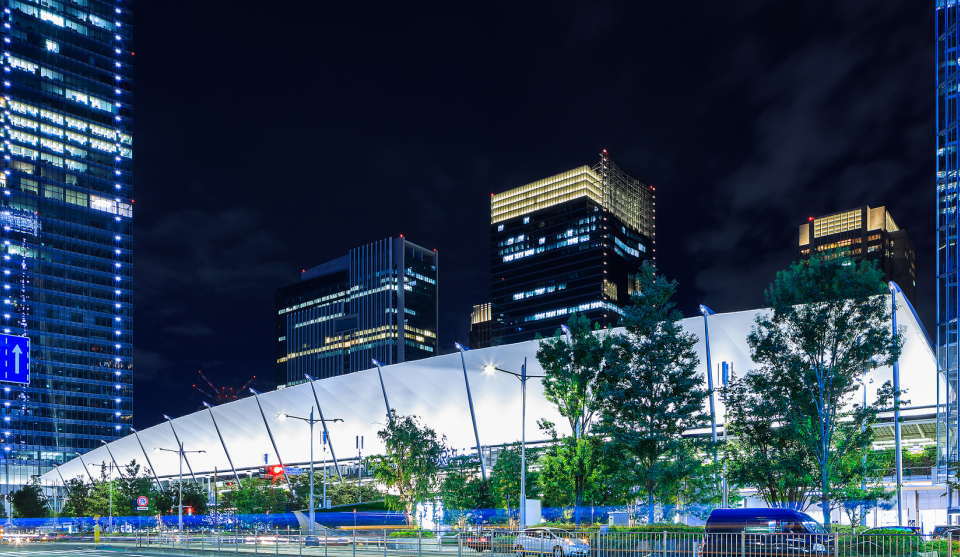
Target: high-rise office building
(865,233)
(67,236)
(481,325)
(379,301)
(947,51)
(568,243)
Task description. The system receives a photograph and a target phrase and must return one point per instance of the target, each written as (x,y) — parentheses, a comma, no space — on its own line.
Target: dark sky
(274,136)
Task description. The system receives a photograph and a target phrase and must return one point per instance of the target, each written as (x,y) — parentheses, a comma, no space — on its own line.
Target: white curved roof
(433,388)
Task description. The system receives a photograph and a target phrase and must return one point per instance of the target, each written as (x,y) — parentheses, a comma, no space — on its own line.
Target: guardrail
(543,542)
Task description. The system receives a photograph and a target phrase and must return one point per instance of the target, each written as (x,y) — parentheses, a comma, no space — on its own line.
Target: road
(51,550)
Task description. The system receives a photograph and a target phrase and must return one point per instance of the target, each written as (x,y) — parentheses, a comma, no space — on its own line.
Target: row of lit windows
(65,22)
(67,121)
(80,139)
(410,272)
(559,312)
(539,291)
(73,197)
(541,249)
(317,320)
(352,293)
(346,341)
(834,224)
(553,190)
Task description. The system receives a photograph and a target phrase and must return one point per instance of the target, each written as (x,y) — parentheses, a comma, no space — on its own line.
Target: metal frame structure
(947,51)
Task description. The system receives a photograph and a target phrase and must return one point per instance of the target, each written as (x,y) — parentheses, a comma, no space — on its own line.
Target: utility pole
(181,455)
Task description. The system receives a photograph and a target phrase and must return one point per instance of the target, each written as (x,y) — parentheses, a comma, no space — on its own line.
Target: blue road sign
(15,359)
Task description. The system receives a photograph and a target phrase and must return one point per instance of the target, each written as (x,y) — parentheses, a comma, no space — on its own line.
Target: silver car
(550,541)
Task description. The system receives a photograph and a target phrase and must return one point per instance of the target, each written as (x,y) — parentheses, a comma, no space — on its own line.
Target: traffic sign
(15,359)
(143,504)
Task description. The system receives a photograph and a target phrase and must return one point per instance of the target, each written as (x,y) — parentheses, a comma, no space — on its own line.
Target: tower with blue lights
(67,211)
(948,252)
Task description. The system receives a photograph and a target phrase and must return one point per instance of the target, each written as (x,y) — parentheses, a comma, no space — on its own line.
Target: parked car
(478,542)
(317,541)
(943,530)
(756,531)
(550,541)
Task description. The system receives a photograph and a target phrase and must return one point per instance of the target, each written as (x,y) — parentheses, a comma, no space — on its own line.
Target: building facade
(379,301)
(481,325)
(67,226)
(569,243)
(865,233)
(947,52)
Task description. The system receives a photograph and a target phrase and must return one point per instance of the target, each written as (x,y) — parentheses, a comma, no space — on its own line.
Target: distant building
(569,243)
(481,325)
(377,301)
(864,233)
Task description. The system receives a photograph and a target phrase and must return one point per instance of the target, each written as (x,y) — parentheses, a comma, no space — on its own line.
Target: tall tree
(505,478)
(767,451)
(77,501)
(410,464)
(828,324)
(652,391)
(134,482)
(571,366)
(29,501)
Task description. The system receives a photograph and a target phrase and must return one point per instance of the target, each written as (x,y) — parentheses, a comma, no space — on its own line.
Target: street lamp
(181,454)
(473,416)
(707,312)
(283,416)
(490,369)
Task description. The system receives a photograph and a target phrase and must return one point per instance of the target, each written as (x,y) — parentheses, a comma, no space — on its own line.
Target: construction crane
(220,394)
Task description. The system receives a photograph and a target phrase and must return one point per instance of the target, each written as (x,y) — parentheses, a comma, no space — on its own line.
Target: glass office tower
(569,243)
(67,211)
(377,301)
(948,252)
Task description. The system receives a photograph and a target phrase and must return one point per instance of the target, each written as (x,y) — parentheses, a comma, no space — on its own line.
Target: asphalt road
(50,550)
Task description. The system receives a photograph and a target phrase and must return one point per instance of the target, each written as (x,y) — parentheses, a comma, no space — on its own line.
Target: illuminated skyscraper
(377,301)
(948,222)
(481,325)
(569,243)
(67,214)
(865,233)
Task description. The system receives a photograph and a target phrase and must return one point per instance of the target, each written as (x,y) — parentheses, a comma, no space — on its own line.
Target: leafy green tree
(30,501)
(505,478)
(858,478)
(340,492)
(132,483)
(652,391)
(462,491)
(829,323)
(104,490)
(572,366)
(410,465)
(77,503)
(766,451)
(252,496)
(195,496)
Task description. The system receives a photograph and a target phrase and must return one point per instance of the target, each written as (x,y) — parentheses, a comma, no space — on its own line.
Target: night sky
(272,136)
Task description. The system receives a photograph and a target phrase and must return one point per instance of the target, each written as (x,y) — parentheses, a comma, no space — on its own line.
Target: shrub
(411,534)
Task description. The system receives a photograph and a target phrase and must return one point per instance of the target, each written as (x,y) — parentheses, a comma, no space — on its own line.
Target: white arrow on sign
(16,359)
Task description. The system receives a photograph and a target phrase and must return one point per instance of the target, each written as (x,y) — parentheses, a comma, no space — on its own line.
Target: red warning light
(809,219)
